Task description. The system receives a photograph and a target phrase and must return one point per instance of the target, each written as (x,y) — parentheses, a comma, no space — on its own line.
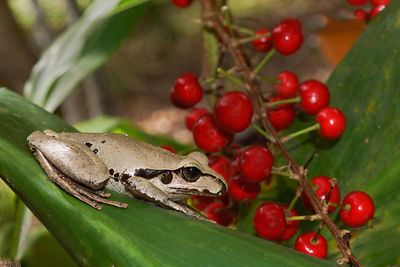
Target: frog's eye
(191,174)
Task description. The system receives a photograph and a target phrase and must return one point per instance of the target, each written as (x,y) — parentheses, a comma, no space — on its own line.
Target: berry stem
(265,60)
(261,131)
(281,173)
(285,101)
(243,29)
(306,130)
(229,76)
(304,218)
(294,199)
(228,20)
(206,81)
(271,80)
(255,37)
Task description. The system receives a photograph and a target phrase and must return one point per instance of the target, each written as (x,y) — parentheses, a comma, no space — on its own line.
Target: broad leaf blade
(81,49)
(140,235)
(365,86)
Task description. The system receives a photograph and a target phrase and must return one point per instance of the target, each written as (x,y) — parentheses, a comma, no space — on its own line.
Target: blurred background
(135,82)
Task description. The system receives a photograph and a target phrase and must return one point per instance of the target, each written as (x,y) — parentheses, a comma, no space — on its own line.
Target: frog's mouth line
(195,192)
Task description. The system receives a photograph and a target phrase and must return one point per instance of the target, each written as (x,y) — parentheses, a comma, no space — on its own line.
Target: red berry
(242,189)
(186,91)
(256,163)
(380,2)
(182,3)
(314,96)
(375,11)
(317,248)
(287,36)
(193,116)
(219,213)
(289,84)
(282,115)
(361,208)
(201,202)
(357,2)
(221,165)
(233,111)
(361,14)
(169,148)
(269,221)
(208,136)
(263,44)
(323,187)
(292,226)
(236,161)
(332,122)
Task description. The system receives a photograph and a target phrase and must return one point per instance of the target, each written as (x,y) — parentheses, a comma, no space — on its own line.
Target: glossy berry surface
(357,2)
(256,163)
(169,148)
(233,111)
(380,2)
(281,116)
(289,84)
(292,226)
(208,136)
(242,189)
(186,91)
(219,213)
(182,3)
(201,202)
(361,208)
(236,161)
(263,44)
(332,122)
(375,11)
(323,186)
(317,248)
(269,221)
(221,165)
(287,36)
(361,14)
(314,96)
(193,116)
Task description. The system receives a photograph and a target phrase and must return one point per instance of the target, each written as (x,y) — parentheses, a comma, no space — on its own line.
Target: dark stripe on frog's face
(151,173)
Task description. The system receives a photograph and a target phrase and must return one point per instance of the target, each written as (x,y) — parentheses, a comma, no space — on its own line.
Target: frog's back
(124,153)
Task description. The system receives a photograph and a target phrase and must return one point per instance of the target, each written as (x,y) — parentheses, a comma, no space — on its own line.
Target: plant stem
(304,218)
(271,80)
(243,29)
(255,37)
(281,173)
(229,76)
(285,101)
(206,81)
(294,199)
(306,130)
(265,60)
(261,131)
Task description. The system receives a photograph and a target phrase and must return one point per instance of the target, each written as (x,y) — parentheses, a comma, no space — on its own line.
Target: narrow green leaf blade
(141,235)
(81,49)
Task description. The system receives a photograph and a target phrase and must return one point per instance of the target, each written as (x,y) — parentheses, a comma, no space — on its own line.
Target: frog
(84,164)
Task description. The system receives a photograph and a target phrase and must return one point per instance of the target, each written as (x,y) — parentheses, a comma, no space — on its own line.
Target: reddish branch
(211,19)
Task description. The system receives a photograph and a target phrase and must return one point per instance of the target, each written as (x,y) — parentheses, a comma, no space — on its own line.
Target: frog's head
(192,177)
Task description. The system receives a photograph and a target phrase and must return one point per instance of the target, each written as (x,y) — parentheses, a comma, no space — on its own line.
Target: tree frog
(84,163)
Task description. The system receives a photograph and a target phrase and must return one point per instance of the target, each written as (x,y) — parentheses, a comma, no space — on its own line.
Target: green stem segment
(255,37)
(285,101)
(265,60)
(281,173)
(306,130)
(271,80)
(229,76)
(261,131)
(303,218)
(243,30)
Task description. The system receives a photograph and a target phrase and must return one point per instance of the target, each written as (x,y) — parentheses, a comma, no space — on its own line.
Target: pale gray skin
(84,163)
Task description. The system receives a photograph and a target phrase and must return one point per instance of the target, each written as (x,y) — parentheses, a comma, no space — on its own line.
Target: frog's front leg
(144,189)
(70,165)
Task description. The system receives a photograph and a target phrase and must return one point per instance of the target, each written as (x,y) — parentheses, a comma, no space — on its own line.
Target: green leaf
(81,49)
(140,235)
(365,86)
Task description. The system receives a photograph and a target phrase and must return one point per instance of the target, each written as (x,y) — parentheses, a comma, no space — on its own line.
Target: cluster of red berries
(246,168)
(286,37)
(377,6)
